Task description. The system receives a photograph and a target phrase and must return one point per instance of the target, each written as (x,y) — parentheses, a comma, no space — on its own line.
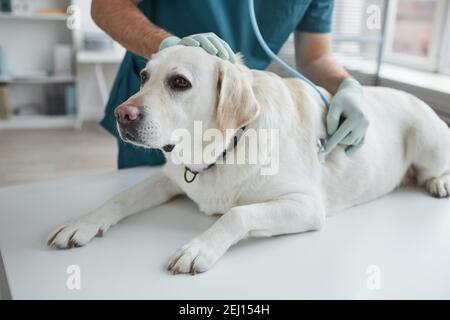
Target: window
(445,58)
(447,65)
(355,41)
(414,18)
(415,33)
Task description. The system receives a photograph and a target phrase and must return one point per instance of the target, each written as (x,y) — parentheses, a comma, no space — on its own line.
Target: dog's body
(404,133)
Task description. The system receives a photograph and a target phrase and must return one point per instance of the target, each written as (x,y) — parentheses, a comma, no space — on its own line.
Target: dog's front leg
(151,192)
(289,214)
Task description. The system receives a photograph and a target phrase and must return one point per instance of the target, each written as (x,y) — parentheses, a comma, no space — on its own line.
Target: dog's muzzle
(134,127)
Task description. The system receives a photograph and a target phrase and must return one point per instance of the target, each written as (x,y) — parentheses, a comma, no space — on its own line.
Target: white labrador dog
(184,84)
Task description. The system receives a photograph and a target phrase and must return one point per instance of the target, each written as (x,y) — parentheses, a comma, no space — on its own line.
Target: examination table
(395,247)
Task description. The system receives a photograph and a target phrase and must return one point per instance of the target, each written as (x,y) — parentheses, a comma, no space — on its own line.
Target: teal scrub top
(230,20)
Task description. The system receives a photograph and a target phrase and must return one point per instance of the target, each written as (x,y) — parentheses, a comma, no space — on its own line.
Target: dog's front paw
(194,257)
(75,234)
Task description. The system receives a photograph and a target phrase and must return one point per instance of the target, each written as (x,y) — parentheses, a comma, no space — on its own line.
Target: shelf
(37,122)
(38,79)
(100,56)
(357,38)
(33,16)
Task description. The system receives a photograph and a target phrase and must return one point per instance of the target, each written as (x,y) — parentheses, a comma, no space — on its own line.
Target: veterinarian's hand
(210,42)
(346,122)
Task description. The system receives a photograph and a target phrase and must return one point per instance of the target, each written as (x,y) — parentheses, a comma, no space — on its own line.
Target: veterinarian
(222,27)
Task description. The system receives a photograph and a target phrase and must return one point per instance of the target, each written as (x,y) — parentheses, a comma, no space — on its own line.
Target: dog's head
(181,85)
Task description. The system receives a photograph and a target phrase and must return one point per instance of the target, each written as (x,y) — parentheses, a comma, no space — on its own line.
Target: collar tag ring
(193,175)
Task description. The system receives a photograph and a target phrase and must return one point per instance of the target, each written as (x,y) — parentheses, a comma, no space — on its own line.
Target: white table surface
(406,235)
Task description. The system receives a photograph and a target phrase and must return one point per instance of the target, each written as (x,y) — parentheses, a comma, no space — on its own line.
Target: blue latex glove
(347,104)
(210,42)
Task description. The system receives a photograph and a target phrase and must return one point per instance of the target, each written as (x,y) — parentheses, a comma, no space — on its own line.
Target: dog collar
(193,173)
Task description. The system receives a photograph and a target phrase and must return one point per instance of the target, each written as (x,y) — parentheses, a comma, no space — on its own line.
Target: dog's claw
(51,241)
(173,262)
(73,244)
(192,269)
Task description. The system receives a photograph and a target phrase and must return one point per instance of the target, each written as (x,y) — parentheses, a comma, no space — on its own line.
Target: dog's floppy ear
(236,103)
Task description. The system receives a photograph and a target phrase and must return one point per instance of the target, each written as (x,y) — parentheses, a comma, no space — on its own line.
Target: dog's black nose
(168,147)
(128,114)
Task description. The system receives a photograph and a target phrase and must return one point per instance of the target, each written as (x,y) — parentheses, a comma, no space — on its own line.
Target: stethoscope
(292,71)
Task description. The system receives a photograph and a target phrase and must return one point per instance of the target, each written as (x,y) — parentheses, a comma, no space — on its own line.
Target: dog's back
(404,132)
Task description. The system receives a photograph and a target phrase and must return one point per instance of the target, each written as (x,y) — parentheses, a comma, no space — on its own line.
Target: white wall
(90,101)
(88,25)
(90,104)
(28,47)
(29,43)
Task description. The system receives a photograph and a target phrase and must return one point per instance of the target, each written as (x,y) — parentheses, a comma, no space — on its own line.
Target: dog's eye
(144,77)
(179,83)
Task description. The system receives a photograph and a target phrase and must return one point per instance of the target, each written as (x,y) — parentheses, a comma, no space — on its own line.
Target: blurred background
(57,67)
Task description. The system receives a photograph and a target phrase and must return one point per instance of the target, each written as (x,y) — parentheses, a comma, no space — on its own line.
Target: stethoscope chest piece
(321,150)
